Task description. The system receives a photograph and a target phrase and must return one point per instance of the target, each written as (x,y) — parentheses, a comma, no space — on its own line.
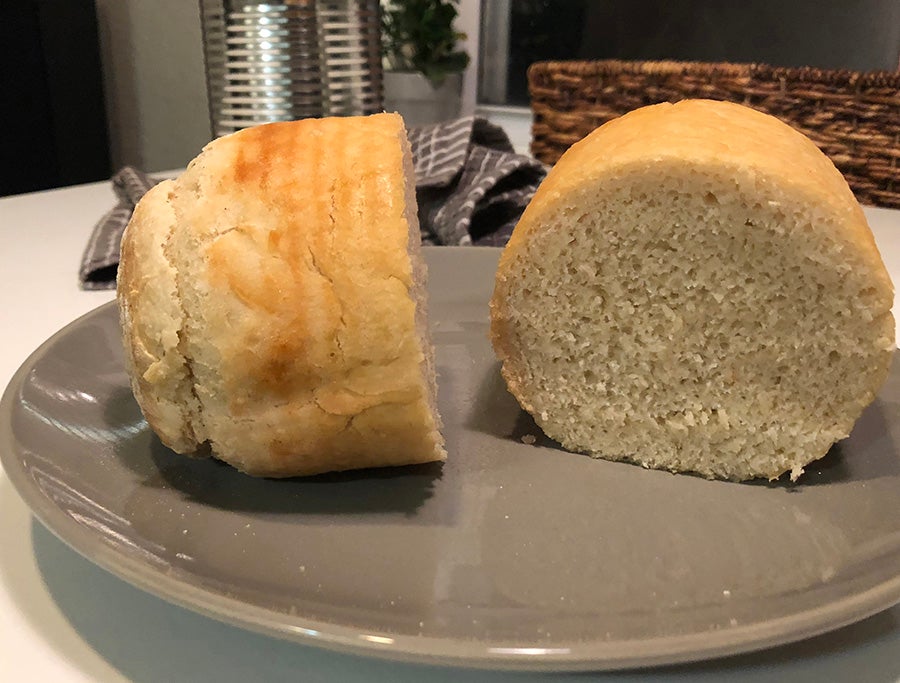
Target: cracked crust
(298,287)
(150,317)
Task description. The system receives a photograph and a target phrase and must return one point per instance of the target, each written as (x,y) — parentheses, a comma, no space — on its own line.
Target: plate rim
(592,655)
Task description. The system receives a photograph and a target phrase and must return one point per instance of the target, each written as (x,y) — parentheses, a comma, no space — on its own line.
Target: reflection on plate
(508,555)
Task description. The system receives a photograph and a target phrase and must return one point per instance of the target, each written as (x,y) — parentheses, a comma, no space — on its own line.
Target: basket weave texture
(854,117)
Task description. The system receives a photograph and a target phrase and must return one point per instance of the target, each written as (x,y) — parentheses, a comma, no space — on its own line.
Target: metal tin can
(292,59)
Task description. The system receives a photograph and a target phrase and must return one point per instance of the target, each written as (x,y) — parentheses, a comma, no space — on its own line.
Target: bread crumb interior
(694,319)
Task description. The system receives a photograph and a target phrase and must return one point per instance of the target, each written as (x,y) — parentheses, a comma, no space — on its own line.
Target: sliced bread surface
(695,288)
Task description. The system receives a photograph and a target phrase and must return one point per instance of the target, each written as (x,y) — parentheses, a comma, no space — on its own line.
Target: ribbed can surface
(288,60)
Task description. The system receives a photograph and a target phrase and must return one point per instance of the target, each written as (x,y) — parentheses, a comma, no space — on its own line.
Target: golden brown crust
(293,269)
(694,131)
(151,320)
(701,131)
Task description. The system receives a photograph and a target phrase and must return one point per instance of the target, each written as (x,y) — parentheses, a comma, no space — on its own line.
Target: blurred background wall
(139,75)
(154,81)
(52,123)
(862,35)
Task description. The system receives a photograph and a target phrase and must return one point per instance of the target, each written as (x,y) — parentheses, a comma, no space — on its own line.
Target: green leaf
(418,35)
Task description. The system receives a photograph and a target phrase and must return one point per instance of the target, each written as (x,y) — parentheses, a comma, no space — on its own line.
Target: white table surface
(62,619)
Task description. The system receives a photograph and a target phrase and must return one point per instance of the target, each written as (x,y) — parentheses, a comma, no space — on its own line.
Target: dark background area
(53,122)
(861,35)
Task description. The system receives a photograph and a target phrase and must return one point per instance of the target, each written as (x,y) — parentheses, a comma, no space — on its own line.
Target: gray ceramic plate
(509,555)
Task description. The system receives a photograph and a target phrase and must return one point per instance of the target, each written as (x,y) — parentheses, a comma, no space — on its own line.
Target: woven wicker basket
(854,117)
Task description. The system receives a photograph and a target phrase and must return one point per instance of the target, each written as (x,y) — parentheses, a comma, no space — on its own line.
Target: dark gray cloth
(471,188)
(470,185)
(101,256)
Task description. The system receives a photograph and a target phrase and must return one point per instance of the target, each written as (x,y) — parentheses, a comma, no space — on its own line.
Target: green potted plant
(423,63)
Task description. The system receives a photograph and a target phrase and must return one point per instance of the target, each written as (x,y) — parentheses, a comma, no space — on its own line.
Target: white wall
(154,81)
(469,23)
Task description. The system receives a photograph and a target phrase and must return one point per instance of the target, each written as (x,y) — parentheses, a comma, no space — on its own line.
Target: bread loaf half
(695,288)
(272,301)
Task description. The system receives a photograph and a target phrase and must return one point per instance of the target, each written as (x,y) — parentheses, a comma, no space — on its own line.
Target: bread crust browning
(702,131)
(293,275)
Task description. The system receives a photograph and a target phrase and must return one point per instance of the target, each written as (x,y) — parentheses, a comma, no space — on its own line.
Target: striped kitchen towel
(101,256)
(471,188)
(470,185)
